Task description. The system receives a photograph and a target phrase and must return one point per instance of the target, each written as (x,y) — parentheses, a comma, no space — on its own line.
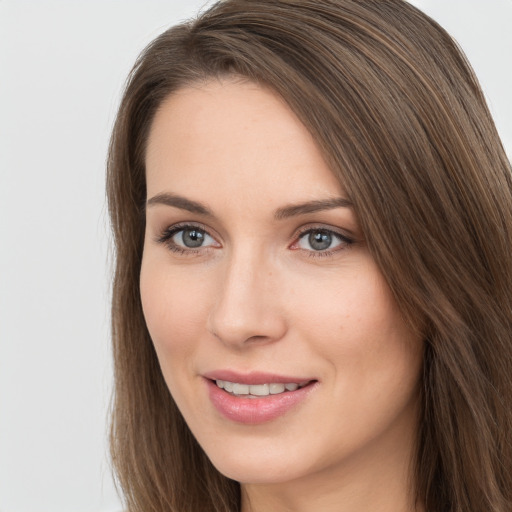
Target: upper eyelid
(298,232)
(171,230)
(180,226)
(165,234)
(165,237)
(343,233)
(341,237)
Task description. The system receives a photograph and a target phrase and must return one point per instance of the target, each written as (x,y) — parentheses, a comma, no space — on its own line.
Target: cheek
(175,306)
(355,324)
(355,308)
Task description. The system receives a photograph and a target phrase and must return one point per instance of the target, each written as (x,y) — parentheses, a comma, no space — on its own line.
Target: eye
(321,241)
(192,238)
(187,238)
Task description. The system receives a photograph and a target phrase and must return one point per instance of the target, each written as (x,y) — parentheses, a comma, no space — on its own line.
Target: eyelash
(167,235)
(345,241)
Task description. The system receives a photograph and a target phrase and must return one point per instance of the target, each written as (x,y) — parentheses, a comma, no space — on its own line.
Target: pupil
(320,240)
(193,237)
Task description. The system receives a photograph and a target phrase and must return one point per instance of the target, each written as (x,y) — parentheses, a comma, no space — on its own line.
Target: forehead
(228,138)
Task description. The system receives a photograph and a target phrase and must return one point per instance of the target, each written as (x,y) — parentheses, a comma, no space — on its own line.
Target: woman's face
(256,273)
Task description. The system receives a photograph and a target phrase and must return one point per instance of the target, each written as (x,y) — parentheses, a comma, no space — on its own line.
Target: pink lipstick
(255,397)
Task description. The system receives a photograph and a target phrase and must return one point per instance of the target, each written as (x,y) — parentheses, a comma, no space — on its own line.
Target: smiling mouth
(258,390)
(254,401)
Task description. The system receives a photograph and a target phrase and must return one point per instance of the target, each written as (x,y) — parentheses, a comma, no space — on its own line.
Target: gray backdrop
(62,67)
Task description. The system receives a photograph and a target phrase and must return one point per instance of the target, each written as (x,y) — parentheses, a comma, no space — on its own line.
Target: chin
(256,474)
(260,466)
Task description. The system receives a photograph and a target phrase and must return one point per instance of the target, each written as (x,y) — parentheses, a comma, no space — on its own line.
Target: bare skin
(235,276)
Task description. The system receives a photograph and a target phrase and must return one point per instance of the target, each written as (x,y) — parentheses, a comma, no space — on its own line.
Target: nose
(248,309)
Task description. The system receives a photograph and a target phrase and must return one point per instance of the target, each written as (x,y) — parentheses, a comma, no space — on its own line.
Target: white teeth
(256,390)
(275,389)
(260,389)
(241,389)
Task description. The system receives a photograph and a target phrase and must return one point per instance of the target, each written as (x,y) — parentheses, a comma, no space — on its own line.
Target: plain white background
(62,68)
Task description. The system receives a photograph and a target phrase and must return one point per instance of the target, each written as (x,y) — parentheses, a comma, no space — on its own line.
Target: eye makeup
(190,239)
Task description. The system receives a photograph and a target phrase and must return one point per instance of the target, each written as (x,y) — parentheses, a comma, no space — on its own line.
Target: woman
(312,305)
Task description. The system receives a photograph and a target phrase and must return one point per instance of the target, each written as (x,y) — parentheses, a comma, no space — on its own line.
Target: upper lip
(254,377)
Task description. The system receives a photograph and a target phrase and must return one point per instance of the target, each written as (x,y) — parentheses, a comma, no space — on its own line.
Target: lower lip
(256,410)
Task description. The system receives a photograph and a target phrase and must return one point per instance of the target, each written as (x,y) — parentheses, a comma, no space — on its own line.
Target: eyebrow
(281,213)
(311,207)
(180,202)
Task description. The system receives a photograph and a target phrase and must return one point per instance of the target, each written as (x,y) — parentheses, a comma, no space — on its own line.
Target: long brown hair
(400,118)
